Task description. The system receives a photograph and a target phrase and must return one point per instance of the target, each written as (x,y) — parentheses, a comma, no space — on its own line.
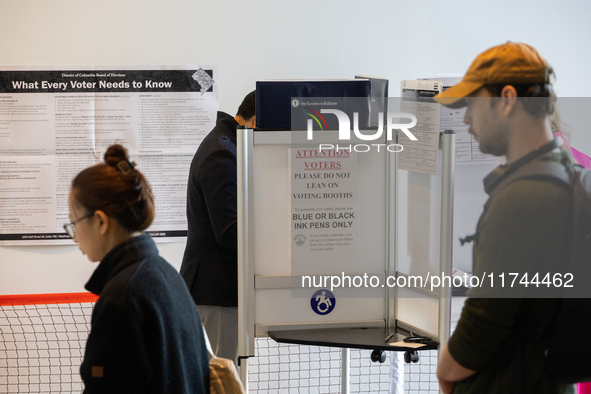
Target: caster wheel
(411,356)
(378,356)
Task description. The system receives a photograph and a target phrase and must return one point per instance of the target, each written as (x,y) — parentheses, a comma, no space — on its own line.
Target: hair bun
(115,154)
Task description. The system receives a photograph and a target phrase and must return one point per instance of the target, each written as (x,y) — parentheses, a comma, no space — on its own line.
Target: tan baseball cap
(510,63)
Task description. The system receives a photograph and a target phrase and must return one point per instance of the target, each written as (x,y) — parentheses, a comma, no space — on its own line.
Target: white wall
(274,39)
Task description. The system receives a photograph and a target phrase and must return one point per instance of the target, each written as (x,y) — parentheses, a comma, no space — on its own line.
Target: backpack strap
(517,365)
(528,167)
(493,179)
(537,170)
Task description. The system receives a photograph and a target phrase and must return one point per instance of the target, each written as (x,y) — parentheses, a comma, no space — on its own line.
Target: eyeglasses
(69,227)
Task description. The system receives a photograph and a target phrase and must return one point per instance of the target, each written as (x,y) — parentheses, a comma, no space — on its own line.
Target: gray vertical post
(446,236)
(345,370)
(244,167)
(391,246)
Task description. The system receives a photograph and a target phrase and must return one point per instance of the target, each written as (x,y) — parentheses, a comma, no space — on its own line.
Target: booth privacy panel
(418,311)
(418,221)
(278,307)
(273,241)
(273,221)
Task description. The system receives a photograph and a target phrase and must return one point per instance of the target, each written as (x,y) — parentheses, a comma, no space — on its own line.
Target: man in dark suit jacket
(210,261)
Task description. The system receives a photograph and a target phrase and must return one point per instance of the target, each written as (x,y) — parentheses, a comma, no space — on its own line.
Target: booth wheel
(378,355)
(411,356)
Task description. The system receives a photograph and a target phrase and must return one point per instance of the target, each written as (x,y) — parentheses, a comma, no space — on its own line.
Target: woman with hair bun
(145,335)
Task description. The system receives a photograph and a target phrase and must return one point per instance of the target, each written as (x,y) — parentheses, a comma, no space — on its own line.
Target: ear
(251,123)
(103,221)
(509,96)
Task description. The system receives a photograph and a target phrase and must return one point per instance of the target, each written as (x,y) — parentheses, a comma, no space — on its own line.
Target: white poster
(417,99)
(54,123)
(323,199)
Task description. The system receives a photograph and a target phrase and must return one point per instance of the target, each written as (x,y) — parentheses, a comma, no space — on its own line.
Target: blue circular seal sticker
(323,302)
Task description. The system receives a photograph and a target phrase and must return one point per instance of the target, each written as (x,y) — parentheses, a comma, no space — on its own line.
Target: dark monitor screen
(273,100)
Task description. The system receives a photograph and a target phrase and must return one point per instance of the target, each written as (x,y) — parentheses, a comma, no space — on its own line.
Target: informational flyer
(417,99)
(323,199)
(54,123)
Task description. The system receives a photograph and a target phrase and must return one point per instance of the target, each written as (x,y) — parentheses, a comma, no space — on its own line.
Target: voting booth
(307,220)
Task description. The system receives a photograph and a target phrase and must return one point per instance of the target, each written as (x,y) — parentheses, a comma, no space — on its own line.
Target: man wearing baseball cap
(508,92)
